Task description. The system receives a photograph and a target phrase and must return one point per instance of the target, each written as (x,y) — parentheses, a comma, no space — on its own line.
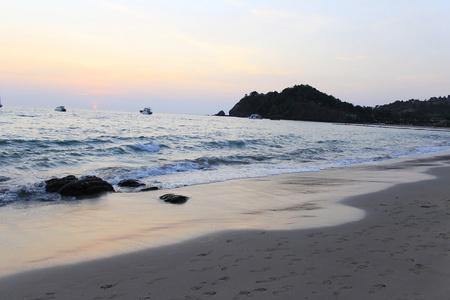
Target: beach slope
(399,250)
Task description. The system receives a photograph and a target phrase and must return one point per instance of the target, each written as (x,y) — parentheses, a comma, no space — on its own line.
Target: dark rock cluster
(72,186)
(93,185)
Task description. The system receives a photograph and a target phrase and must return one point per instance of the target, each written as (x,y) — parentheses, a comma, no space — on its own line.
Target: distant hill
(435,111)
(303,102)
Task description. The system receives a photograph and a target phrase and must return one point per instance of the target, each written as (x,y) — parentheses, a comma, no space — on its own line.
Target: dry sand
(399,250)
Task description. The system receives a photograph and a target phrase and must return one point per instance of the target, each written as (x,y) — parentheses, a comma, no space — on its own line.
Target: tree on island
(301,102)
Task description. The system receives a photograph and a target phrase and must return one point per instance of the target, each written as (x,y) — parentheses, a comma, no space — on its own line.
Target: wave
(49,143)
(4,178)
(222,144)
(27,193)
(331,142)
(151,147)
(115,174)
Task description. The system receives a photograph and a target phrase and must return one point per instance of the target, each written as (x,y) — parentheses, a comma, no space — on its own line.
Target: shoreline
(399,250)
(70,232)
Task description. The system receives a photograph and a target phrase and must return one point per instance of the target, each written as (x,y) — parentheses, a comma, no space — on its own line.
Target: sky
(203,56)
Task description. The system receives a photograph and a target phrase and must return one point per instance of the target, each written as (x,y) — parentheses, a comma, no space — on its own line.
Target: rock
(72,186)
(150,188)
(130,183)
(174,199)
(55,184)
(221,113)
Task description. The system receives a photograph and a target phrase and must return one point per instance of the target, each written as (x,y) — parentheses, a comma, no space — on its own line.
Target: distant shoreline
(397,126)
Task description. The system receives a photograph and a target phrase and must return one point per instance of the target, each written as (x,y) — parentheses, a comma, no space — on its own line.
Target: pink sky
(204,56)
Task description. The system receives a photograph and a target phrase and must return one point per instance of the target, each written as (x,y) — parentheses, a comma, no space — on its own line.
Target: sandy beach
(393,242)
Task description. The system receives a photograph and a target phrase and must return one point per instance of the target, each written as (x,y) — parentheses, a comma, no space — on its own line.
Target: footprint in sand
(265,269)
(226,278)
(204,254)
(378,286)
(157,279)
(271,279)
(387,272)
(284,289)
(107,286)
(418,268)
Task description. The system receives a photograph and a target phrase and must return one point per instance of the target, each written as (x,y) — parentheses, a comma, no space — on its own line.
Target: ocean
(175,150)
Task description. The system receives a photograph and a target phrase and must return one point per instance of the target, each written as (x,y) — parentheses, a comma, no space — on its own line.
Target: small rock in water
(150,188)
(130,183)
(174,199)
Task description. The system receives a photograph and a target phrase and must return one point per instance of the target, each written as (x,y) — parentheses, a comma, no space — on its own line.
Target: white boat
(255,116)
(146,111)
(60,108)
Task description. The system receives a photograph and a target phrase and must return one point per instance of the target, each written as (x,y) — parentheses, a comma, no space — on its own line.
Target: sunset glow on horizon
(204,56)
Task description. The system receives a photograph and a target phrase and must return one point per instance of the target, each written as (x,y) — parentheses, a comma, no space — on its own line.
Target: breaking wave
(176,150)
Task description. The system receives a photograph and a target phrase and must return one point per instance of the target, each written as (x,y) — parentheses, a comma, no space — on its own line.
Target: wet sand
(393,243)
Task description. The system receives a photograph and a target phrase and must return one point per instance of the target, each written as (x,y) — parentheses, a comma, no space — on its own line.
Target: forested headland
(305,103)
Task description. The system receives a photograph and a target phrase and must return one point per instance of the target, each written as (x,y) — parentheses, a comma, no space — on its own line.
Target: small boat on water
(146,111)
(60,108)
(255,116)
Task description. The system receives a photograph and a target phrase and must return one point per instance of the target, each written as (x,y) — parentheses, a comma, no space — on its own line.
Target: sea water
(175,150)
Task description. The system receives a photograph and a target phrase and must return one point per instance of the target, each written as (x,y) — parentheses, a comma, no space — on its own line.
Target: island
(305,103)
